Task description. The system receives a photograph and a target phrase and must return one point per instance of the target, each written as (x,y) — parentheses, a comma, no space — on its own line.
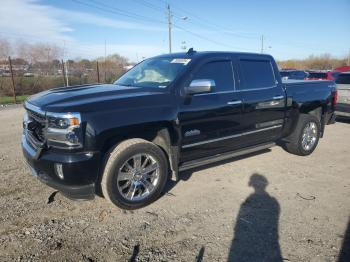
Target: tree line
(313,62)
(40,66)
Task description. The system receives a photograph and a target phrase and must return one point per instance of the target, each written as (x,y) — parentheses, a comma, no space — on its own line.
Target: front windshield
(154,72)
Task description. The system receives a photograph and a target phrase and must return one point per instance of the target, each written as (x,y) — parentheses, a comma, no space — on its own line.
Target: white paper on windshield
(184,61)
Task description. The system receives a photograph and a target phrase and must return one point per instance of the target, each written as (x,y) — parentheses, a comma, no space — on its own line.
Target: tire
(295,140)
(125,182)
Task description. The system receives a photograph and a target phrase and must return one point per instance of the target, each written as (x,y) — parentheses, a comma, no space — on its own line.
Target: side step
(220,157)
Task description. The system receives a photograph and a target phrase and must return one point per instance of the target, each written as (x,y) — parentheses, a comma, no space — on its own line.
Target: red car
(322,75)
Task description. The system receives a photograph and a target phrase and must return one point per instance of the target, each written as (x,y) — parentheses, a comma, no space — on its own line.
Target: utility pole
(13,82)
(67,78)
(48,61)
(65,68)
(349,58)
(105,59)
(262,43)
(63,74)
(98,72)
(169,27)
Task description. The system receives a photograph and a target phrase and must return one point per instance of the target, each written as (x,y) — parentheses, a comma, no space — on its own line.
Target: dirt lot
(212,214)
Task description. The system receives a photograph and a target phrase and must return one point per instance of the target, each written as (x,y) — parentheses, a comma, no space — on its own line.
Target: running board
(224,156)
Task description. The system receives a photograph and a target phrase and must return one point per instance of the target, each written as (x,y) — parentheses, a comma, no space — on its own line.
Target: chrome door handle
(237,102)
(277,97)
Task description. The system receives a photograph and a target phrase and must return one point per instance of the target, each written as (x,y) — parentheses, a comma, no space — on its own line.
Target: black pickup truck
(167,114)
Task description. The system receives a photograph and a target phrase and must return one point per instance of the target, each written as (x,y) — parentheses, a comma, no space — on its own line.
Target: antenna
(191,51)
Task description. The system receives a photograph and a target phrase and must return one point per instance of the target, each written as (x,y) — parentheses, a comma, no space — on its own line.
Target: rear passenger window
(219,71)
(257,74)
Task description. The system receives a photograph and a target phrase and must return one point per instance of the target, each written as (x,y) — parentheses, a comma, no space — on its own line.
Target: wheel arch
(319,113)
(163,134)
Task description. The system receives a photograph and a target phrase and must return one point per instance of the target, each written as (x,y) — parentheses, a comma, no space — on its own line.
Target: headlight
(64,130)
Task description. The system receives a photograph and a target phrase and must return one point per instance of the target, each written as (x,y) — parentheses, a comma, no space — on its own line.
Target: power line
(209,39)
(169,24)
(118,11)
(228,31)
(114,10)
(206,22)
(150,5)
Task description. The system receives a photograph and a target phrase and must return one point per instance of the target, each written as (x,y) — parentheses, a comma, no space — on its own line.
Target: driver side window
(219,71)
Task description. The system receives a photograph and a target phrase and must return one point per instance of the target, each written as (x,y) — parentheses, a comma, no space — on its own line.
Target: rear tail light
(335,97)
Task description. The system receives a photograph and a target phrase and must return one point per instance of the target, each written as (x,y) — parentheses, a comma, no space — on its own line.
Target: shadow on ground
(344,255)
(256,230)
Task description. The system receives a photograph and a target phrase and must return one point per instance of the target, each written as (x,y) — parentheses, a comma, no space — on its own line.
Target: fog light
(59,170)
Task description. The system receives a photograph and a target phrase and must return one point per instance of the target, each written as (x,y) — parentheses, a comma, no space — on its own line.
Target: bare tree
(39,52)
(5,49)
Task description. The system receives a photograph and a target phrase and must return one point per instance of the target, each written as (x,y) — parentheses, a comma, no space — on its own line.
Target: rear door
(209,120)
(263,100)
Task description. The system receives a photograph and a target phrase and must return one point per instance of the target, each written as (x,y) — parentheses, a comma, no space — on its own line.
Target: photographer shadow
(256,230)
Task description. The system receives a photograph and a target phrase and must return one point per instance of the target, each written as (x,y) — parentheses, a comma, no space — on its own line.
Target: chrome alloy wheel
(309,136)
(138,177)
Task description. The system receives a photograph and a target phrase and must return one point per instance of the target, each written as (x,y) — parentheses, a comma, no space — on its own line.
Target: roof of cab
(206,54)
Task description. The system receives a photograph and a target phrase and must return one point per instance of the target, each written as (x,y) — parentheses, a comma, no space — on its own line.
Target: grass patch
(9,99)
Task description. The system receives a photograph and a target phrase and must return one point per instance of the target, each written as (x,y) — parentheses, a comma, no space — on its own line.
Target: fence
(18,78)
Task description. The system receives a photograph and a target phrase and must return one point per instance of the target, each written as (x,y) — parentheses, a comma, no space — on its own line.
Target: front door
(209,121)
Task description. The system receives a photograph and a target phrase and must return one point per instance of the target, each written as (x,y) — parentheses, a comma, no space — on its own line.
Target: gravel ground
(264,207)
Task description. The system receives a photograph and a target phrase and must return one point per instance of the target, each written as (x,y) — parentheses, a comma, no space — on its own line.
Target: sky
(138,29)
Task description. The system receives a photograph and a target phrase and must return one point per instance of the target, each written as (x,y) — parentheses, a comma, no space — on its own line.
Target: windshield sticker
(184,61)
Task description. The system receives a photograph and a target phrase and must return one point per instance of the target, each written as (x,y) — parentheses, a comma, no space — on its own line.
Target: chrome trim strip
(215,93)
(229,137)
(67,115)
(255,89)
(235,102)
(277,97)
(269,123)
(220,157)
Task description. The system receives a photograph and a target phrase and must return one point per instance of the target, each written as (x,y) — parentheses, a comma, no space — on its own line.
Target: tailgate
(343,93)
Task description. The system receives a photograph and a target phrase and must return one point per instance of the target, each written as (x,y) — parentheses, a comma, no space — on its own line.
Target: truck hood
(98,97)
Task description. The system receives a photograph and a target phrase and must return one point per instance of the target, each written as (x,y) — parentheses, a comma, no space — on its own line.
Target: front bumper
(80,170)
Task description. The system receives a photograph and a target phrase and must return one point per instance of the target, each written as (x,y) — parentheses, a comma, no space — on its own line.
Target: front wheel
(135,174)
(304,139)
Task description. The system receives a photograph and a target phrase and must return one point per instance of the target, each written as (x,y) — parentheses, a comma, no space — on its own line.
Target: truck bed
(305,96)
(298,89)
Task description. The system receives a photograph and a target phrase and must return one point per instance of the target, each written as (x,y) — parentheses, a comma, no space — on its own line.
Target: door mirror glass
(200,86)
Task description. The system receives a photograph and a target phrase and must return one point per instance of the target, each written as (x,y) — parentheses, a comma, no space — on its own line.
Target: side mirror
(200,86)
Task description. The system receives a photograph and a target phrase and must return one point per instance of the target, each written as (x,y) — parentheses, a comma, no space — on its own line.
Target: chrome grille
(36,134)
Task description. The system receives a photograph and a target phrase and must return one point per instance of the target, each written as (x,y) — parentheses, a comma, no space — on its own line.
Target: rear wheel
(135,174)
(304,139)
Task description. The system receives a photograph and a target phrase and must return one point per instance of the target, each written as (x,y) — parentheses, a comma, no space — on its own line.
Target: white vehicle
(343,86)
